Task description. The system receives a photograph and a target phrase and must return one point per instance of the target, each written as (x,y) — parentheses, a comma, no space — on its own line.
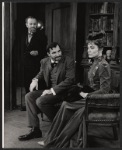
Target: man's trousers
(35,103)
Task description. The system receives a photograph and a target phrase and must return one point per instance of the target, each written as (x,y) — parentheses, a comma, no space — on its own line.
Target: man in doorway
(33,45)
(59,74)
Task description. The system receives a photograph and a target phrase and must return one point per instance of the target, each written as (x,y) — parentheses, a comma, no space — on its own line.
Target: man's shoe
(41,143)
(33,134)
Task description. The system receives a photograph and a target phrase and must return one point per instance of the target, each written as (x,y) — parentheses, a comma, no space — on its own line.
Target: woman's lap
(66,123)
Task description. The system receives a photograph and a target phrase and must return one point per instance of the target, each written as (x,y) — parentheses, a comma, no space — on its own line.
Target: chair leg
(42,116)
(84,133)
(115,132)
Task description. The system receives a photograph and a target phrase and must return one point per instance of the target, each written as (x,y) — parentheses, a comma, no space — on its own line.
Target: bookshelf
(103,16)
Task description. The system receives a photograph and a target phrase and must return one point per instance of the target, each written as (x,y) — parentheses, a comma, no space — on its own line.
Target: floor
(15,124)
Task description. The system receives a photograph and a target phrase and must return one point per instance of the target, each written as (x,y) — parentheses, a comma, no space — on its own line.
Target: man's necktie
(53,64)
(29,37)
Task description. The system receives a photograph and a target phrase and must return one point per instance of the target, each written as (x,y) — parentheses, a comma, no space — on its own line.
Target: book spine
(109,37)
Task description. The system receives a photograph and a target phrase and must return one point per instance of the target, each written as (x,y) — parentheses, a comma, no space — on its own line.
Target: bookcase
(103,16)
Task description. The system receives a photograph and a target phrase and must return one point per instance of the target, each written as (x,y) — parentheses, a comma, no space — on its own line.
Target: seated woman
(69,119)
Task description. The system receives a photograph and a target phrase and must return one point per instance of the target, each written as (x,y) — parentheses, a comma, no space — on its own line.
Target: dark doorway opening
(23,10)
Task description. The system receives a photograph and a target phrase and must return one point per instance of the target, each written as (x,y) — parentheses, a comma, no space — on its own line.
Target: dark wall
(80,39)
(29,9)
(81,11)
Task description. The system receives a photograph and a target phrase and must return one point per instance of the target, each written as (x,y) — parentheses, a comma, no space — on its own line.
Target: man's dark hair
(52,45)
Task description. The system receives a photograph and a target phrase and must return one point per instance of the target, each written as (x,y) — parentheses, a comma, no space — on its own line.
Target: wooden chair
(104,109)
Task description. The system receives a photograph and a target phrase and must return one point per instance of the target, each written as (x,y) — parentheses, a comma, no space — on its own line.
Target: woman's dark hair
(97,38)
(52,45)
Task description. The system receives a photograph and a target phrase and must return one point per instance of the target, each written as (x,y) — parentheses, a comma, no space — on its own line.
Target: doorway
(23,10)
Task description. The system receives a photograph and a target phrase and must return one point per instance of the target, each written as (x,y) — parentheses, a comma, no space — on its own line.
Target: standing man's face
(55,53)
(31,24)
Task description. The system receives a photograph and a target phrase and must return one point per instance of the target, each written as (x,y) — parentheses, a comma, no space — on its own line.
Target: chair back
(104,108)
(115,81)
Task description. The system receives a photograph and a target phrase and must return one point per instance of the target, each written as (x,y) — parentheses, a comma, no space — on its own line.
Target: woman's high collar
(98,58)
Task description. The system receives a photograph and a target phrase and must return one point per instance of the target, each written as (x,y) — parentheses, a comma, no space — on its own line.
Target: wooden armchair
(103,110)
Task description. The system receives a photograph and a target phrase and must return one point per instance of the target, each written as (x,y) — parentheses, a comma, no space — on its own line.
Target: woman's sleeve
(105,79)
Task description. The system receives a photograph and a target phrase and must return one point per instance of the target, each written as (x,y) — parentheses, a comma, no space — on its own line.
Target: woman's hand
(84,95)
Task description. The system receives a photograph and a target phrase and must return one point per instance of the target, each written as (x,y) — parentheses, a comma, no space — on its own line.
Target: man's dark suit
(65,77)
(31,63)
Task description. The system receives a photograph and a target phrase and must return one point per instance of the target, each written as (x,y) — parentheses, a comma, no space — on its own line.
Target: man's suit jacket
(38,43)
(65,74)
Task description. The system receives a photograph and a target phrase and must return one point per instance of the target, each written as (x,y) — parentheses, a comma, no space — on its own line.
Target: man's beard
(58,58)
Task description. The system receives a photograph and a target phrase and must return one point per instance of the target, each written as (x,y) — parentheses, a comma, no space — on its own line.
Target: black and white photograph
(60,74)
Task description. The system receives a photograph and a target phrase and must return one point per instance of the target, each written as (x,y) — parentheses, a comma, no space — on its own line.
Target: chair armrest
(108,100)
(104,96)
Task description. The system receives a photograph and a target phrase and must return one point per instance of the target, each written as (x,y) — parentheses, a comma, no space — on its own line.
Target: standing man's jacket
(38,43)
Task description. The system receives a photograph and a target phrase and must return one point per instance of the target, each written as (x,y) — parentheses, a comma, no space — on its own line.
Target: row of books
(109,39)
(105,7)
(102,23)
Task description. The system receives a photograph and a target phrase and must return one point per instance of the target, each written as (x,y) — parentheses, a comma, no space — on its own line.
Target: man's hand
(84,95)
(33,85)
(45,92)
(34,53)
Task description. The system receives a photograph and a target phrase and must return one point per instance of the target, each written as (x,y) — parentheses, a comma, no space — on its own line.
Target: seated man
(59,74)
